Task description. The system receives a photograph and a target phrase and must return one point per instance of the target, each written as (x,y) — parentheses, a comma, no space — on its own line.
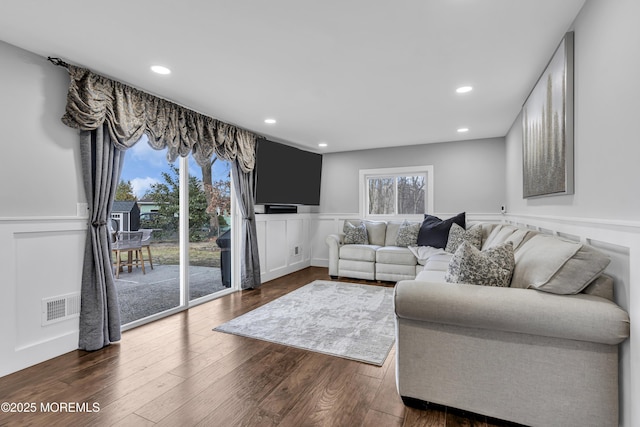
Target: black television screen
(286,175)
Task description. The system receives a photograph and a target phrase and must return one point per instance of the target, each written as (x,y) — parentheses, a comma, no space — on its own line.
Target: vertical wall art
(547,127)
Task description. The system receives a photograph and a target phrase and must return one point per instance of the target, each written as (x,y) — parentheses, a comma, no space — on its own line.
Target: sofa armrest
(334,241)
(577,317)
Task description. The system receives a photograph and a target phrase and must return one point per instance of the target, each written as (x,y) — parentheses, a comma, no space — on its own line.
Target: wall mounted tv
(286,175)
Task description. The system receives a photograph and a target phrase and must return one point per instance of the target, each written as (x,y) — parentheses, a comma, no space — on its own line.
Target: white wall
(39,172)
(41,235)
(605,209)
(468,175)
(607,146)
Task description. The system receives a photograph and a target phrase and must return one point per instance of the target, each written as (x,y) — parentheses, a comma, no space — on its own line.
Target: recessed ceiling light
(270,121)
(461,130)
(160,69)
(464,89)
(322,144)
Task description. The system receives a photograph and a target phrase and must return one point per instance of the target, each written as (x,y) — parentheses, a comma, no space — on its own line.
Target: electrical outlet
(296,251)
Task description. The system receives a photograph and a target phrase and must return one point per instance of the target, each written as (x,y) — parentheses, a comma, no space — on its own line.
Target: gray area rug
(348,320)
(141,295)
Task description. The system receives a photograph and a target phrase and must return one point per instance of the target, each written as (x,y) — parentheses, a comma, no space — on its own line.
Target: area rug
(348,320)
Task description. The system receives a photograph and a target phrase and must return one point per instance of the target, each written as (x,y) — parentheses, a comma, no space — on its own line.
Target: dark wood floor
(178,372)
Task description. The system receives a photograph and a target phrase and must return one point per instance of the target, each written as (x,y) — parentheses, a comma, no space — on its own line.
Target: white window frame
(365,174)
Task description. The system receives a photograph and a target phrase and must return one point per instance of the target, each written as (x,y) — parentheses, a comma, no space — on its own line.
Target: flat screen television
(286,175)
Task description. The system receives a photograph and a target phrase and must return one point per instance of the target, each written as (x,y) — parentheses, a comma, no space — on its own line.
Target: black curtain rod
(58,61)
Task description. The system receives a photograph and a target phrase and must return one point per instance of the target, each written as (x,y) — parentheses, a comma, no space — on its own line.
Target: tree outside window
(397,191)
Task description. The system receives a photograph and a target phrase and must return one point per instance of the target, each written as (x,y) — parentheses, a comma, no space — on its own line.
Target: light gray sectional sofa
(541,352)
(379,259)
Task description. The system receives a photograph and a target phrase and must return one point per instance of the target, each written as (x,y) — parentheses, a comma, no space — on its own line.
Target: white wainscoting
(39,258)
(283,243)
(621,241)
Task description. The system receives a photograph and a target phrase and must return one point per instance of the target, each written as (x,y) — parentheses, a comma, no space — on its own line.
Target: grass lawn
(203,254)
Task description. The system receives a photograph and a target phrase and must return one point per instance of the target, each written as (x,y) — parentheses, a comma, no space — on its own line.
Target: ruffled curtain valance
(128,112)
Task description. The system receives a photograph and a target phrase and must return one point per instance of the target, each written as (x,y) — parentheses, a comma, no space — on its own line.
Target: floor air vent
(56,309)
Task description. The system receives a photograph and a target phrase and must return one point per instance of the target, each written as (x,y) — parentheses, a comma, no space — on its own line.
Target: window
(396,192)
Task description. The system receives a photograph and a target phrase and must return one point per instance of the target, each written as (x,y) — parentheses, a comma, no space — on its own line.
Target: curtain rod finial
(58,61)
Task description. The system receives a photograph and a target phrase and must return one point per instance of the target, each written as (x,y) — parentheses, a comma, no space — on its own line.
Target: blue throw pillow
(434,231)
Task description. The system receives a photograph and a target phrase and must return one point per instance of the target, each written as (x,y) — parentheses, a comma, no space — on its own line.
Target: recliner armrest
(334,241)
(337,238)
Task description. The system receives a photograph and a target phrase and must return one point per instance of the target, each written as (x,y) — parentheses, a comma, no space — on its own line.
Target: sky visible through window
(143,167)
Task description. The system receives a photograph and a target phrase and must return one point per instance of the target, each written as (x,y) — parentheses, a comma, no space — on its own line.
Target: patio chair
(131,243)
(146,242)
(113,229)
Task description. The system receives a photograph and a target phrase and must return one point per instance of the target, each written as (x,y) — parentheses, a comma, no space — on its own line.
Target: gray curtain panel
(99,311)
(112,117)
(250,261)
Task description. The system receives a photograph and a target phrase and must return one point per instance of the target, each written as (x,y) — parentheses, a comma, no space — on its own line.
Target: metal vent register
(56,309)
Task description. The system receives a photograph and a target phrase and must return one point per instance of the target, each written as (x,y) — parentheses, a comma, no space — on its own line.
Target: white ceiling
(355,74)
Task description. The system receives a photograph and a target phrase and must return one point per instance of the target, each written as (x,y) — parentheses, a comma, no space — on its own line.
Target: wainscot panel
(283,243)
(41,259)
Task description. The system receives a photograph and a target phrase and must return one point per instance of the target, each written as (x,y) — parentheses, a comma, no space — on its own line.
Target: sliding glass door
(209,228)
(183,209)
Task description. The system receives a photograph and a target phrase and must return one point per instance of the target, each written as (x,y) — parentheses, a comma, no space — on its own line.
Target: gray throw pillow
(355,234)
(407,234)
(491,267)
(457,235)
(550,264)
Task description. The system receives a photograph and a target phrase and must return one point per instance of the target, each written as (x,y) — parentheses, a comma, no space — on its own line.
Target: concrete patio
(141,295)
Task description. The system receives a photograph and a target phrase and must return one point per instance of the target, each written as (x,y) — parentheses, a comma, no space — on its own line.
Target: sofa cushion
(550,264)
(357,269)
(377,231)
(395,255)
(492,267)
(407,234)
(457,235)
(578,272)
(391,234)
(395,272)
(359,252)
(355,234)
(435,231)
(439,262)
(503,232)
(602,287)
(430,276)
(424,253)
